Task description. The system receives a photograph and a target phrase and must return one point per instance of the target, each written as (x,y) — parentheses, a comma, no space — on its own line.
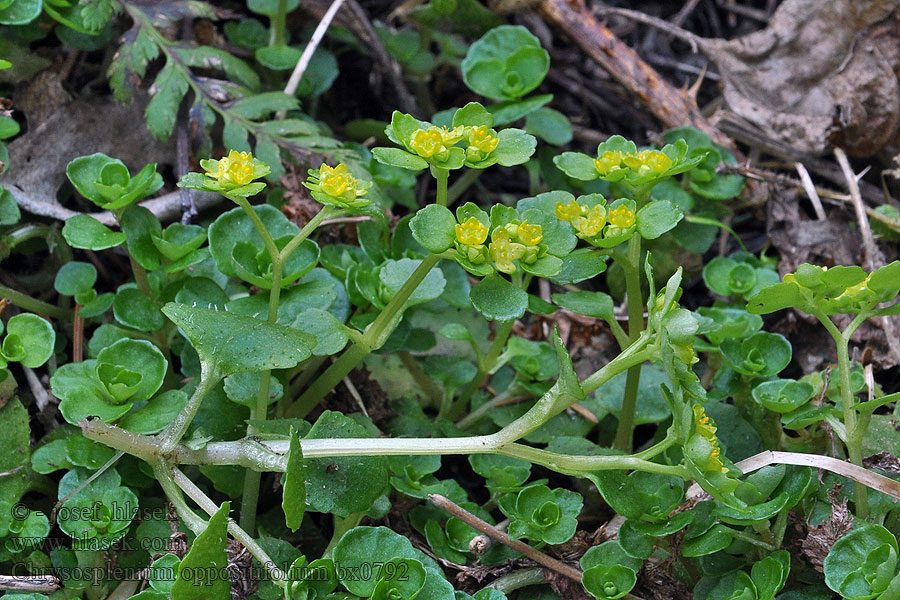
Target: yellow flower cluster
(647,161)
(338,187)
(589,223)
(337,181)
(435,142)
(480,143)
(471,233)
(504,251)
(609,161)
(515,241)
(236,169)
(621,217)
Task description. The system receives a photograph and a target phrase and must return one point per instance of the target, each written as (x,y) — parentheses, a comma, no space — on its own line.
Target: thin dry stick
(38,584)
(488,529)
(661,24)
(874,258)
(806,180)
(872,253)
(355,393)
(848,470)
(310,49)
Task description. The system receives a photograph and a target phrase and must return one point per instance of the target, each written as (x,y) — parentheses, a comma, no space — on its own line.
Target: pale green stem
(459,187)
(441,175)
(272,455)
(172,434)
(26,302)
(484,366)
(250,497)
(625,429)
(477,414)
(277,33)
(853,439)
(374,337)
(518,579)
(341,526)
(204,502)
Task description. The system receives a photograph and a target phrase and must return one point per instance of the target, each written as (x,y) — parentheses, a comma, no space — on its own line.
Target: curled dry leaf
(821,74)
(817,544)
(883,461)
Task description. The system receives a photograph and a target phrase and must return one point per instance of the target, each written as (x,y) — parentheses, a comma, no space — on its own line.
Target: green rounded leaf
(343,485)
(609,582)
(550,125)
(499,300)
(156,414)
(862,563)
(434,227)
(20,12)
(395,157)
(230,343)
(783,395)
(576,165)
(763,354)
(137,356)
(75,278)
(656,218)
(506,63)
(34,339)
(87,233)
(135,309)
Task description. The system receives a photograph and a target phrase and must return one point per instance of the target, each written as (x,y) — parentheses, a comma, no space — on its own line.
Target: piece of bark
(673,107)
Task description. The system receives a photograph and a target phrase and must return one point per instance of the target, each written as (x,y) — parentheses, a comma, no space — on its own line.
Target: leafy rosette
(485,146)
(619,159)
(336,186)
(232,175)
(425,144)
(834,290)
(107,183)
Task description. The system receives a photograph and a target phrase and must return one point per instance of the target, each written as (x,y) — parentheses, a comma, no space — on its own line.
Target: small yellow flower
(567,212)
(336,181)
(451,136)
(236,169)
(337,186)
(647,161)
(610,161)
(504,251)
(428,142)
(591,224)
(530,235)
(621,217)
(481,139)
(704,426)
(703,447)
(471,233)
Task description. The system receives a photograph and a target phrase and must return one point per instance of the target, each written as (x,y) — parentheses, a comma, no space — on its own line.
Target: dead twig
(488,529)
(839,467)
(810,190)
(166,207)
(674,108)
(873,255)
(310,49)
